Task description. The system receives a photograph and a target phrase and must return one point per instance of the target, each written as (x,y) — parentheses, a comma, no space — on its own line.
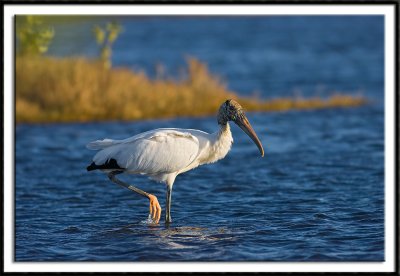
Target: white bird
(164,153)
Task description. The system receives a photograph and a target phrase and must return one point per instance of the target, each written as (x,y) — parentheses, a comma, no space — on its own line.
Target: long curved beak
(245,125)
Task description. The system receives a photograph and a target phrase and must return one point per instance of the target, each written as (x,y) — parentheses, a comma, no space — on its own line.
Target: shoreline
(127,121)
(62,90)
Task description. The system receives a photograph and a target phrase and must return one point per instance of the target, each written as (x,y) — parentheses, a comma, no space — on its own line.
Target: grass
(80,90)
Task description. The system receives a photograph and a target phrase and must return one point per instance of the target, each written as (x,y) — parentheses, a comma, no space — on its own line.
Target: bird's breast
(217,149)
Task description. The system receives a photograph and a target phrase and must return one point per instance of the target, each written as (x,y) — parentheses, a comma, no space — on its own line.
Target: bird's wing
(100,144)
(153,152)
(105,143)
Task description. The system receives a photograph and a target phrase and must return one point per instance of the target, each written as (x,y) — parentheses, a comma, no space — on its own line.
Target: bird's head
(231,110)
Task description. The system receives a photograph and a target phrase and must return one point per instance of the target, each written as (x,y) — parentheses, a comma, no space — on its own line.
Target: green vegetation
(34,37)
(105,37)
(77,89)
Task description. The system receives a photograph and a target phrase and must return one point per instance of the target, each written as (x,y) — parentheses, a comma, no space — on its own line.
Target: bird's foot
(168,222)
(155,208)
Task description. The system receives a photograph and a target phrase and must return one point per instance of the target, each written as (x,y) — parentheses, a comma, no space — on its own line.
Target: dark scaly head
(231,110)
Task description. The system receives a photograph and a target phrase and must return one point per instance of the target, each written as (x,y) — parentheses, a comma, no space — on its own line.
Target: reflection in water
(172,237)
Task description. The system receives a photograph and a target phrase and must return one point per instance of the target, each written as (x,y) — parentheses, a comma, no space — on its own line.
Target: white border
(387,10)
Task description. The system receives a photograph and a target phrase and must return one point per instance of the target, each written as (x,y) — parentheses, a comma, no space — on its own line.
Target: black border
(221,2)
(203,2)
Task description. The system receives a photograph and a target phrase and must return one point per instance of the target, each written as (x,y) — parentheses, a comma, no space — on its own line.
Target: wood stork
(164,153)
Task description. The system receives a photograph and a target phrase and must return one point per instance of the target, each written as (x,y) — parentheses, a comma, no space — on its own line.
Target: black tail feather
(111,164)
(92,167)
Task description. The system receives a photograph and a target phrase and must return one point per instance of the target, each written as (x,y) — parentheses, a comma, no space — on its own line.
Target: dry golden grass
(77,89)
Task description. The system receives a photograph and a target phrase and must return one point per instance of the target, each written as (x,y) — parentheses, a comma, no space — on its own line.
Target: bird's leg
(168,205)
(155,208)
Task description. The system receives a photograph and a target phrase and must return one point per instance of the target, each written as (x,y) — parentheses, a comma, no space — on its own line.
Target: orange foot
(155,208)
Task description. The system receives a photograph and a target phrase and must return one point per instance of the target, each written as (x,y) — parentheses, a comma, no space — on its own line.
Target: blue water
(317,195)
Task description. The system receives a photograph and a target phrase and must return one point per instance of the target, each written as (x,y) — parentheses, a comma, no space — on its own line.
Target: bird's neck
(224,130)
(223,141)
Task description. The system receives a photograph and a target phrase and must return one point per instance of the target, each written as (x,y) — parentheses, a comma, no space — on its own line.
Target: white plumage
(164,153)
